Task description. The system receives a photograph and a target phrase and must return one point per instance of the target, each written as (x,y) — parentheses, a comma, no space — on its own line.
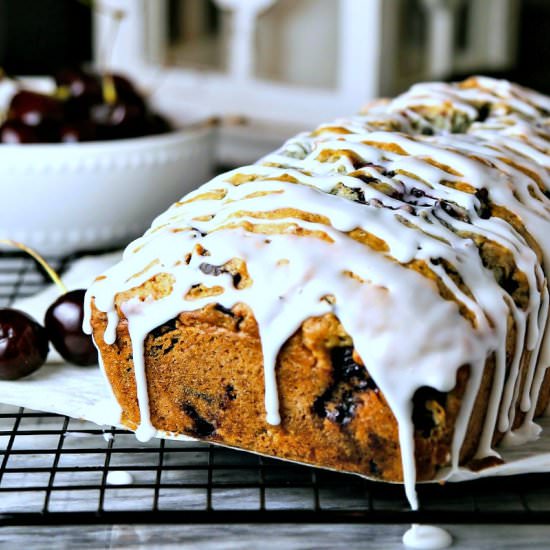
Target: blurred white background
(278,65)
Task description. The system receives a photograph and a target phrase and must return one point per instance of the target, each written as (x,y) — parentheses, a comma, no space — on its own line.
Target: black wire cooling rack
(57,470)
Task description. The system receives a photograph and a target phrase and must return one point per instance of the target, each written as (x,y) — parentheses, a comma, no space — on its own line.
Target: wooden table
(266,537)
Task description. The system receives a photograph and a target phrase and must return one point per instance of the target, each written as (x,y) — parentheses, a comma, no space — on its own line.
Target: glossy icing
(335,220)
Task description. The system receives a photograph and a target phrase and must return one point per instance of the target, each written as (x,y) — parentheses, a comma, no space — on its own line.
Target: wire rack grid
(58,470)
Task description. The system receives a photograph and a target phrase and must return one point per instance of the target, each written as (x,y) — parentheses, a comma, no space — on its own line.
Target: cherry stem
(109,89)
(47,267)
(62,93)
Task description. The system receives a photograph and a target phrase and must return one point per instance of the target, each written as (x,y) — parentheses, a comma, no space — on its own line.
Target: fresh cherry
(86,107)
(77,131)
(83,90)
(157,124)
(23,344)
(124,88)
(77,108)
(63,323)
(33,109)
(14,131)
(80,84)
(122,119)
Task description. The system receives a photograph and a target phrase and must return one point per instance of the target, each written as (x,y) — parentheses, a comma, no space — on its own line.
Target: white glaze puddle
(119,478)
(427,537)
(297,261)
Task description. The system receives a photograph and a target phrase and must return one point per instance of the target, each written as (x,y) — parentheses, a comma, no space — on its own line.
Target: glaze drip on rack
(378,219)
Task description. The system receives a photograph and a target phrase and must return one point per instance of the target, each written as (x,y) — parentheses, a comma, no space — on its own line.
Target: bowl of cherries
(87,162)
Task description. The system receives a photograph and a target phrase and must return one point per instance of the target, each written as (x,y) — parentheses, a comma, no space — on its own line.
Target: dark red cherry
(157,124)
(79,83)
(23,344)
(63,323)
(124,88)
(77,131)
(84,90)
(33,108)
(122,119)
(48,131)
(14,131)
(77,108)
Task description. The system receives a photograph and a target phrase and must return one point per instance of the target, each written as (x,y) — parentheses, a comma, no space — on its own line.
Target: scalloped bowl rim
(82,173)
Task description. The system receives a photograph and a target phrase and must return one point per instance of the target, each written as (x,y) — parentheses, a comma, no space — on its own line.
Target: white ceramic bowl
(62,198)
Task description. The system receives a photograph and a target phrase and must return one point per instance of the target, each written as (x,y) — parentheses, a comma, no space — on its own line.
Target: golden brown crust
(204,368)
(205,379)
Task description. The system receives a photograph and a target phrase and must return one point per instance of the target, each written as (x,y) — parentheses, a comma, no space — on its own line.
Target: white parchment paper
(78,392)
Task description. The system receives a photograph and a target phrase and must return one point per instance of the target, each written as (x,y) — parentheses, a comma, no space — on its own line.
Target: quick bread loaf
(371,298)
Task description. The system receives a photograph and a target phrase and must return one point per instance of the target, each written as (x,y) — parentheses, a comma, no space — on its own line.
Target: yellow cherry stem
(108,89)
(47,267)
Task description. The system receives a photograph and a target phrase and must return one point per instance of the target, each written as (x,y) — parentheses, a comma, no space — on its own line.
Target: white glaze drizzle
(293,270)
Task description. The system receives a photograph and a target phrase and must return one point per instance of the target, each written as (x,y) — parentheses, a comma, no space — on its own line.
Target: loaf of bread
(370,298)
